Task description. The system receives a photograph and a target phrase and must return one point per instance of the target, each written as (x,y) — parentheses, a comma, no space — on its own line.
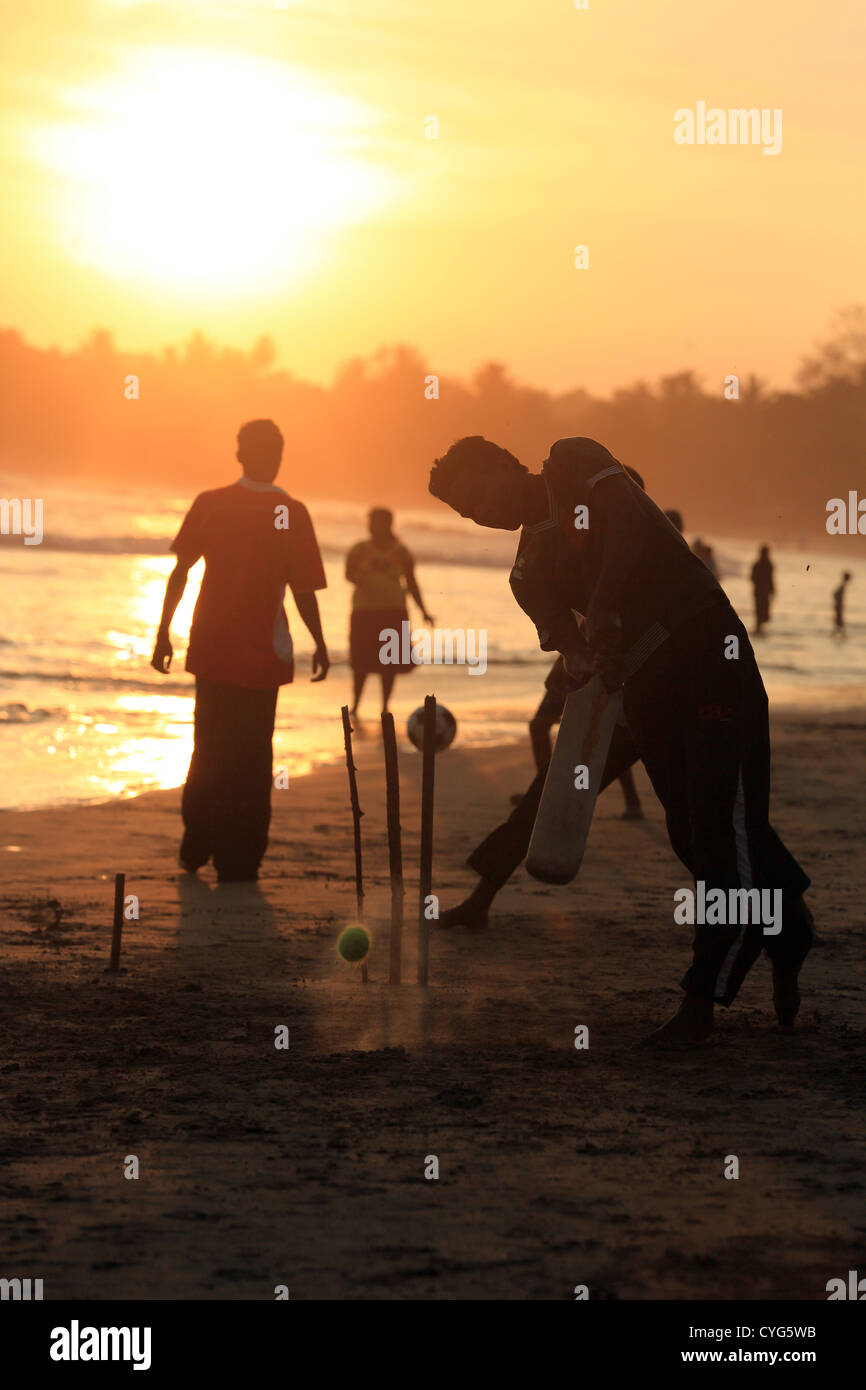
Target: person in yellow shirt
(383,572)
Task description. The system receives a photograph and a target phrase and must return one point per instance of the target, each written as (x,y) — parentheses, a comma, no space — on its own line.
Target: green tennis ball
(353,943)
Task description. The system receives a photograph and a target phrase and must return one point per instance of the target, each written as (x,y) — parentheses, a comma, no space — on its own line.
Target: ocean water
(83,717)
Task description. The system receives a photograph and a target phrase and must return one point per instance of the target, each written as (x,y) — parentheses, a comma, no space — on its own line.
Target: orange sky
(249,167)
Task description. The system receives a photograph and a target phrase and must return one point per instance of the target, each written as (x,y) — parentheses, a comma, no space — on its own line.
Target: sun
(210,172)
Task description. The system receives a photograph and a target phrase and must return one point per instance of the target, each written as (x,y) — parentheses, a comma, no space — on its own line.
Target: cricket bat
(572,783)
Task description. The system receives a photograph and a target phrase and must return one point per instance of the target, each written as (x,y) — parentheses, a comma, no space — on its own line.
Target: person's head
(846,576)
(482,481)
(380,523)
(676,519)
(260,450)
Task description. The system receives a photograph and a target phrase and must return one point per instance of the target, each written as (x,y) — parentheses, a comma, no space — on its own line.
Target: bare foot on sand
(692,1023)
(472,912)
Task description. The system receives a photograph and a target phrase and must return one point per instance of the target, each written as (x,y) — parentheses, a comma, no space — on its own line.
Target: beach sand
(305,1167)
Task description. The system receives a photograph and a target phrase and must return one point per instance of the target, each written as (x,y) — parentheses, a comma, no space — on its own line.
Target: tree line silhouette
(766,462)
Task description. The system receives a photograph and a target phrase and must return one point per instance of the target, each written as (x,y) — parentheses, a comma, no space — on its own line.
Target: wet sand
(305,1167)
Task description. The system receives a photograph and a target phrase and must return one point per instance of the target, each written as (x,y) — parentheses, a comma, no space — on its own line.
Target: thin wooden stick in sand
(426,877)
(117,927)
(357,813)
(395,847)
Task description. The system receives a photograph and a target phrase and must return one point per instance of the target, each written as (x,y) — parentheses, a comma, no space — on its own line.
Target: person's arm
(536,587)
(163,650)
(613,506)
(308,607)
(355,565)
(412,586)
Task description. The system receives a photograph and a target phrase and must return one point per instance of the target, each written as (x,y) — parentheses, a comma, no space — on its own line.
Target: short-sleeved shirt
(378,572)
(558,565)
(255,540)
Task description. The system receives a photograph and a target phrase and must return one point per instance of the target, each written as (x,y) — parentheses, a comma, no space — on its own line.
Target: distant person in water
(704,553)
(383,572)
(763,588)
(255,540)
(839,605)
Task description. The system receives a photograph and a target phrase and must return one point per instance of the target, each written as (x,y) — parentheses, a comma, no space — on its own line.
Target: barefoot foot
(692,1023)
(465,914)
(472,912)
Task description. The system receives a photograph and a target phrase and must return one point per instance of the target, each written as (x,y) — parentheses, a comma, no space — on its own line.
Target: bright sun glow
(210,172)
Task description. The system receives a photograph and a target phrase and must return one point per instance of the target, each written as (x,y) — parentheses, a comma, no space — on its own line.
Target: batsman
(611,585)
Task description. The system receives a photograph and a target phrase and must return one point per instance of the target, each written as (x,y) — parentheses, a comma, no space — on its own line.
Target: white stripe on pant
(744,871)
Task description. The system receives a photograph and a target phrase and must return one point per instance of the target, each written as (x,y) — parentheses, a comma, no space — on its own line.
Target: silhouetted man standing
(763,588)
(839,605)
(255,540)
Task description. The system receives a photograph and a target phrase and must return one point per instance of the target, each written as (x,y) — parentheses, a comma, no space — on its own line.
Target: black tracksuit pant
(226,803)
(701,726)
